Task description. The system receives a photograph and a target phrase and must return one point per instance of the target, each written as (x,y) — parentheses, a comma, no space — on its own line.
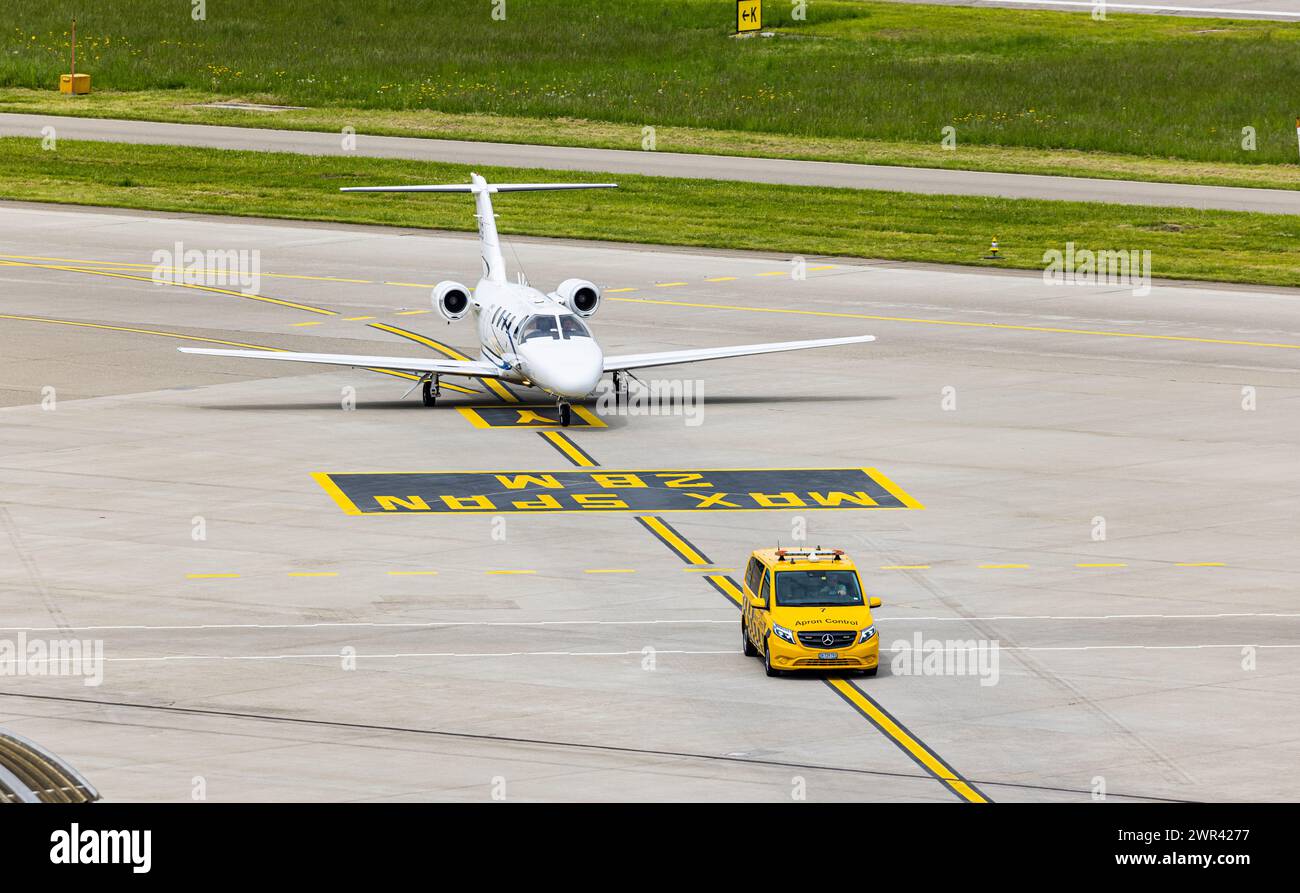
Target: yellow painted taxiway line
(568,448)
(673,540)
(210,576)
(898,733)
(491,383)
(1051,330)
(248,296)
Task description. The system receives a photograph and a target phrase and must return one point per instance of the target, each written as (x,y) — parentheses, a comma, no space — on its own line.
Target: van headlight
(782,633)
(867,634)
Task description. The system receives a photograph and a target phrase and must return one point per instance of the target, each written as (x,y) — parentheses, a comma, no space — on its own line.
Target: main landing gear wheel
(566,415)
(430,393)
(620,388)
(747,647)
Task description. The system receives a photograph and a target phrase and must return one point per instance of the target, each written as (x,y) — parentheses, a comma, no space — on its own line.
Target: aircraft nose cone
(569,368)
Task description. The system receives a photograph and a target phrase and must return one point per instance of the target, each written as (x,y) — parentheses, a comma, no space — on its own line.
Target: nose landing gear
(566,414)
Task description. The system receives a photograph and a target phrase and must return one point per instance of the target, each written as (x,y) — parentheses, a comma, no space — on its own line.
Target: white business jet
(526,337)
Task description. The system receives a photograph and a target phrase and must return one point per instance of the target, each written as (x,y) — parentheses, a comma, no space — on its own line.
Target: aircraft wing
(471,368)
(695,355)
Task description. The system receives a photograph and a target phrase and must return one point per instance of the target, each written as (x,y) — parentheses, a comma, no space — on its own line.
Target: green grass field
(1150,86)
(1190,244)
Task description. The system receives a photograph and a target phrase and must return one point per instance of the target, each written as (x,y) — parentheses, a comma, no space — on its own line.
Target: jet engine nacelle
(451,299)
(579,295)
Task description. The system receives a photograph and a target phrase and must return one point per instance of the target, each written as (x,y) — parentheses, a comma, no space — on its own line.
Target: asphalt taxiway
(260,643)
(844,175)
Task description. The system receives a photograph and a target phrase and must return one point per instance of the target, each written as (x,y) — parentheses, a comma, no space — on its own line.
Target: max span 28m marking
(605,490)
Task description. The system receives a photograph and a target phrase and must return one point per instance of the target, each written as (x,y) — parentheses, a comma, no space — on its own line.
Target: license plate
(828,655)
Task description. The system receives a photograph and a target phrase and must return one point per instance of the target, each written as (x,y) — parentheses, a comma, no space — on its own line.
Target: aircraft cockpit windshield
(553,327)
(572,327)
(540,327)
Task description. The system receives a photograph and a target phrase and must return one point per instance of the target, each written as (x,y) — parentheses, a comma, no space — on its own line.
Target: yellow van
(804,609)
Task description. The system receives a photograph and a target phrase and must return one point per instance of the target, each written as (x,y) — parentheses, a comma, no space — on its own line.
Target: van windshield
(817,589)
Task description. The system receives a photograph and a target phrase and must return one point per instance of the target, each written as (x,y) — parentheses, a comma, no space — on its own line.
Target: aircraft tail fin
(494,267)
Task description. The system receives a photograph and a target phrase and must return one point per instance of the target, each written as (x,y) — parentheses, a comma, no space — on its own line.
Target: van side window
(751,574)
(762,593)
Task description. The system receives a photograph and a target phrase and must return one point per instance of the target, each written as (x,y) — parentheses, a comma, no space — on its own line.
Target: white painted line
(730,652)
(1208,11)
(334,655)
(432,624)
(1214,616)
(438,624)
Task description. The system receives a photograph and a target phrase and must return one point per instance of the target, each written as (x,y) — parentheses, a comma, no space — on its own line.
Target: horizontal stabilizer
(486,187)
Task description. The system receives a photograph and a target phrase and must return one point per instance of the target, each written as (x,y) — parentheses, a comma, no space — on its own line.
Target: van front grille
(827,640)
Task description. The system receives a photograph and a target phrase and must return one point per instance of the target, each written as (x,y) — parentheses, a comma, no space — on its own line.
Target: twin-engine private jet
(525,337)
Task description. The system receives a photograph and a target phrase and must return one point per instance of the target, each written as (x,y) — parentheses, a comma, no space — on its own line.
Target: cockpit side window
(572,327)
(540,327)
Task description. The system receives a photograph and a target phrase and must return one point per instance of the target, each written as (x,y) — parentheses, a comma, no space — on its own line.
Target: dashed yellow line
(721,279)
(207,288)
(1051,330)
(356,318)
(1098,564)
(411,312)
(94,325)
(1200,564)
(774,273)
(300,325)
(669,284)
(611,291)
(410,284)
(210,576)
